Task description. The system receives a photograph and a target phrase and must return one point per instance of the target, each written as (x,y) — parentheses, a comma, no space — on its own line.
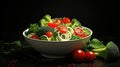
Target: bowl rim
(91,32)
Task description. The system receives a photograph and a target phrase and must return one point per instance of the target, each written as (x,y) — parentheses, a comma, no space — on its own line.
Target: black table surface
(34,59)
(55,63)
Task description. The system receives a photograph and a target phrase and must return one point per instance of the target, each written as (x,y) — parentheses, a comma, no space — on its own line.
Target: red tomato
(63,29)
(49,34)
(78,31)
(52,25)
(34,36)
(83,35)
(66,20)
(78,55)
(90,56)
(57,20)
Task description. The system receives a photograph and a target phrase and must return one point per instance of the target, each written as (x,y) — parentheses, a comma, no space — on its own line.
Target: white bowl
(57,49)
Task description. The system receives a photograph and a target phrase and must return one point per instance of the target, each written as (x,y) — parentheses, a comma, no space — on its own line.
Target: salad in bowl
(57,37)
(57,29)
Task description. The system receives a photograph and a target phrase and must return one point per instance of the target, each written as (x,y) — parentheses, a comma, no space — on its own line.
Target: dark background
(99,15)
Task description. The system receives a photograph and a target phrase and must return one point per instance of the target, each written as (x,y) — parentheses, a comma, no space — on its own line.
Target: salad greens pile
(7,48)
(15,49)
(107,52)
(57,29)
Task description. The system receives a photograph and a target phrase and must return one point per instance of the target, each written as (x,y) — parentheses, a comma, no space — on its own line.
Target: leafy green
(6,48)
(15,49)
(86,31)
(95,44)
(75,23)
(43,38)
(113,51)
(55,36)
(34,28)
(47,18)
(74,37)
(43,22)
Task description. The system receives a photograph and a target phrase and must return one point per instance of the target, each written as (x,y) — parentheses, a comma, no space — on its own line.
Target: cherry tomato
(57,20)
(52,25)
(34,36)
(66,20)
(78,31)
(49,34)
(63,29)
(90,56)
(78,55)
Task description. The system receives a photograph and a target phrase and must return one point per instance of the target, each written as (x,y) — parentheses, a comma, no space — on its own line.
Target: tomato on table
(78,55)
(90,56)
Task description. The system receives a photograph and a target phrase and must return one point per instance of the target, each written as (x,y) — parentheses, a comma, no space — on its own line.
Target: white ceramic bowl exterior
(57,49)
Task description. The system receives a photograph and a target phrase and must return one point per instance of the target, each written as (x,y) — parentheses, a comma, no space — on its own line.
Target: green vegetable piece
(34,28)
(74,37)
(113,51)
(43,38)
(55,36)
(86,31)
(18,43)
(96,44)
(43,22)
(75,23)
(7,48)
(101,52)
(47,17)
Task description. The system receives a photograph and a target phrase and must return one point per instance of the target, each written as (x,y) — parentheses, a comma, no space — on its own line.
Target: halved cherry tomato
(78,31)
(52,25)
(49,34)
(34,36)
(66,20)
(90,56)
(83,35)
(63,29)
(78,55)
(57,20)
